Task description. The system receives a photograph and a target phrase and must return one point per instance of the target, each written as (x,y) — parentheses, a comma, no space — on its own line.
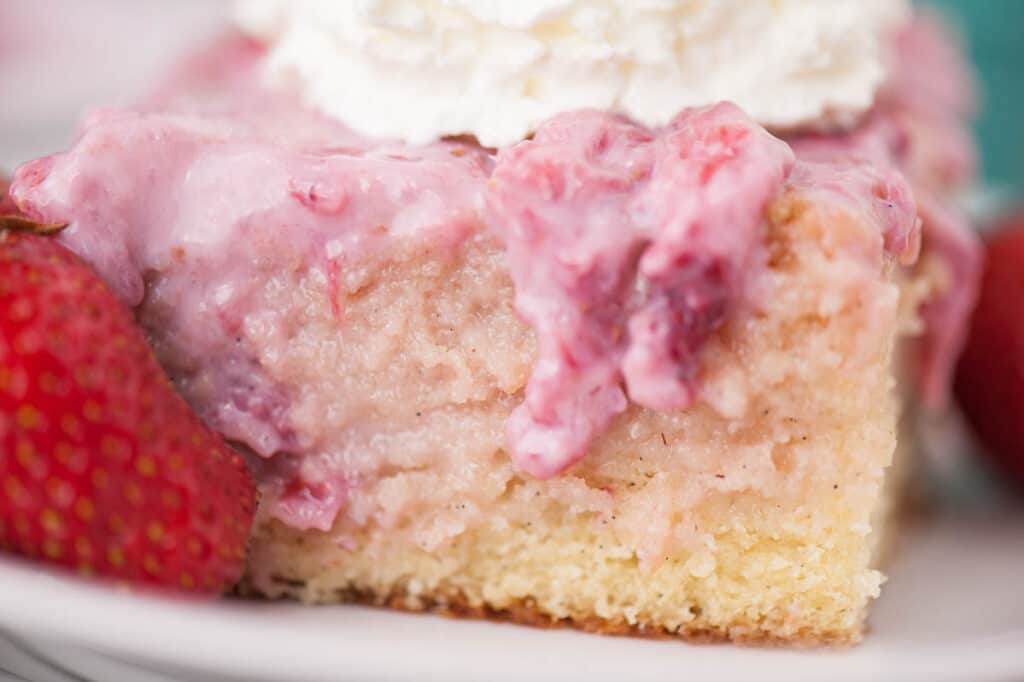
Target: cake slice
(625,378)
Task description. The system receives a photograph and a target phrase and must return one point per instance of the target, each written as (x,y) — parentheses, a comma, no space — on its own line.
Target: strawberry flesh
(103,466)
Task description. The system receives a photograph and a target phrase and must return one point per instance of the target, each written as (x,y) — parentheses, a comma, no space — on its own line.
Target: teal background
(994,31)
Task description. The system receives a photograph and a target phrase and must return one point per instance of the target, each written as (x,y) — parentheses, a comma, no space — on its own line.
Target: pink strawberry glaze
(627,248)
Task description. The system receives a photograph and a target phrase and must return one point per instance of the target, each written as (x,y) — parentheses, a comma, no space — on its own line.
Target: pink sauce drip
(858,171)
(306,492)
(627,248)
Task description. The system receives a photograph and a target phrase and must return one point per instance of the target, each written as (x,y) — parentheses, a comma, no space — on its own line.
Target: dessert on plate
(596,313)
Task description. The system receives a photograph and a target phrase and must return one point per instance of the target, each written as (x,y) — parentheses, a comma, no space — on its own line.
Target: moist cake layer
(346,310)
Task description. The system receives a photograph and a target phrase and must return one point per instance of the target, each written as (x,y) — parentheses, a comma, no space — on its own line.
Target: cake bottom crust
(794,579)
(457,604)
(526,612)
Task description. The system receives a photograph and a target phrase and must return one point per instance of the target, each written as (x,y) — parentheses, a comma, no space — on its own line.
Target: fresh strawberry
(103,466)
(990,377)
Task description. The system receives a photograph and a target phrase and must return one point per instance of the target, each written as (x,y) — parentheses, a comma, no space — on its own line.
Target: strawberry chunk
(103,466)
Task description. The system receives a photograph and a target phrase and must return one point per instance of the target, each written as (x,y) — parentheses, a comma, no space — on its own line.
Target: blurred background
(994,34)
(60,57)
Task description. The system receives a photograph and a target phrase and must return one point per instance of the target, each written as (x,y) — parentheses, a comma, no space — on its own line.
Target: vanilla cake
(611,355)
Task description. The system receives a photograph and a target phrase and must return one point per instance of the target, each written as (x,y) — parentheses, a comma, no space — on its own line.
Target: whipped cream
(419,70)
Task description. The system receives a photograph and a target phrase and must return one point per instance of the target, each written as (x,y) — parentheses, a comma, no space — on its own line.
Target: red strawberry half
(103,466)
(990,377)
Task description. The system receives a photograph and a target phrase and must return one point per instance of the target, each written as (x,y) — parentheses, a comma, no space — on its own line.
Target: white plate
(952,611)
